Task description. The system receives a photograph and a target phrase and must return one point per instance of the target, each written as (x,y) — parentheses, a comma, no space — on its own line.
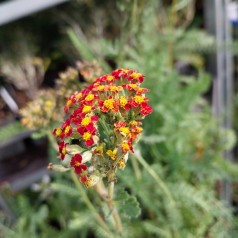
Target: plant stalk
(52,141)
(88,202)
(156,177)
(172,26)
(136,169)
(115,214)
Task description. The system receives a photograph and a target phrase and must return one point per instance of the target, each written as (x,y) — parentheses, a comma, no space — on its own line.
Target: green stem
(115,214)
(136,168)
(172,26)
(104,126)
(161,184)
(52,141)
(156,177)
(88,202)
(107,196)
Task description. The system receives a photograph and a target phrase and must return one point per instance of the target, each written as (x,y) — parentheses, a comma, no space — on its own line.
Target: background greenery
(170,187)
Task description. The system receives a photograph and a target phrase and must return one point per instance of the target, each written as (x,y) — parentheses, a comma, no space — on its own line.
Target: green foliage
(10,130)
(127,204)
(169,187)
(84,50)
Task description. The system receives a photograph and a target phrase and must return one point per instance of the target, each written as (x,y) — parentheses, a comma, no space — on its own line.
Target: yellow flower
(89,97)
(133,123)
(139,99)
(78,96)
(91,181)
(121,164)
(136,75)
(112,154)
(87,109)
(99,150)
(124,130)
(109,103)
(48,103)
(123,101)
(100,88)
(86,121)
(66,130)
(125,147)
(87,136)
(110,78)
(69,102)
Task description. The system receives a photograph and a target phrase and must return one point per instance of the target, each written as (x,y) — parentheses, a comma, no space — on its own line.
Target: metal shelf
(16,9)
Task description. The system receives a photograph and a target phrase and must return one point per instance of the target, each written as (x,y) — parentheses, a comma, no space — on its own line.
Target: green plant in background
(182,140)
(47,108)
(170,187)
(9,131)
(24,69)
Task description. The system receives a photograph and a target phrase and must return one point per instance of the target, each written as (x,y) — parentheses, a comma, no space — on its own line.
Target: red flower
(121,73)
(124,103)
(84,179)
(140,91)
(108,104)
(87,135)
(89,128)
(107,78)
(136,77)
(146,109)
(57,132)
(138,100)
(65,130)
(76,163)
(120,124)
(131,86)
(62,149)
(69,102)
(127,146)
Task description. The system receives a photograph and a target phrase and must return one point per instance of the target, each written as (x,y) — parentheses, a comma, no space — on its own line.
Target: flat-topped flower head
(103,124)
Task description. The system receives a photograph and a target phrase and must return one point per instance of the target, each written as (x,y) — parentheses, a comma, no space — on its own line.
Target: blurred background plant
(20,65)
(47,109)
(171,188)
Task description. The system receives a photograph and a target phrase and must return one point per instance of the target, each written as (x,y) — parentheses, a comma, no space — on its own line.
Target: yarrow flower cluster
(103,124)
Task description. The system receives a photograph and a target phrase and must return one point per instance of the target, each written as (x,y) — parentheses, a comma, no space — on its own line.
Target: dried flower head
(48,104)
(39,112)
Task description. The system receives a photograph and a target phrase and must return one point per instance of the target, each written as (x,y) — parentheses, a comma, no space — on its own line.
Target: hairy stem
(107,196)
(136,169)
(88,202)
(162,185)
(156,177)
(115,214)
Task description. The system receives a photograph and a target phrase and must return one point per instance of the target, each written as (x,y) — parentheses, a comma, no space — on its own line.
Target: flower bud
(91,181)
(57,168)
(74,149)
(87,156)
